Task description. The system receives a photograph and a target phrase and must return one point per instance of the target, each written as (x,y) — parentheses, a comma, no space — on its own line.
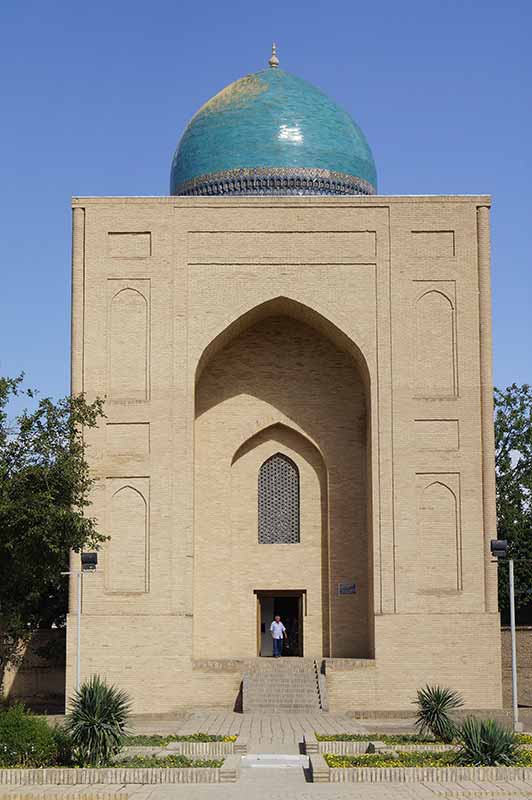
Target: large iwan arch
(282,378)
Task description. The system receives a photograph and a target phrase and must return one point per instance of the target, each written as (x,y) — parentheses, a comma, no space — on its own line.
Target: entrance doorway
(289,605)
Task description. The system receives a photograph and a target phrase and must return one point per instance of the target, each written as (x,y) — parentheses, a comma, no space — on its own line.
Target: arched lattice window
(278,501)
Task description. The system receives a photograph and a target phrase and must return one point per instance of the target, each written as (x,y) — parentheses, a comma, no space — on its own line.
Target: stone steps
(265,687)
(286,685)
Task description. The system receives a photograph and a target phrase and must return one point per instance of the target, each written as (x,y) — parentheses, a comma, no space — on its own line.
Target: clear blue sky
(94,97)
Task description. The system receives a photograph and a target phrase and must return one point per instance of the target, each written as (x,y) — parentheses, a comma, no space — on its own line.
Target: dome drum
(272,180)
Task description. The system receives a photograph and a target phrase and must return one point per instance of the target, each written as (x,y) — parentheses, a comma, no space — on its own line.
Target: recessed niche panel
(438,533)
(437,434)
(256,247)
(432,244)
(127,552)
(435,342)
(128,439)
(128,341)
(129,245)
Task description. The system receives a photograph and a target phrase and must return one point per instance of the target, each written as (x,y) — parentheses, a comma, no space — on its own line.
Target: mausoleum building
(297,374)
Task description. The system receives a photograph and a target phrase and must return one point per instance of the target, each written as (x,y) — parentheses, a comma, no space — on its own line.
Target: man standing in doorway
(278,634)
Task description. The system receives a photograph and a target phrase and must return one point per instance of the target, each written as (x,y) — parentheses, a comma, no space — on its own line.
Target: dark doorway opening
(289,605)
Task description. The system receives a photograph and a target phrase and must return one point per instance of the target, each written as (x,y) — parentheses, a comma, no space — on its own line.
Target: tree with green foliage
(45,485)
(513,465)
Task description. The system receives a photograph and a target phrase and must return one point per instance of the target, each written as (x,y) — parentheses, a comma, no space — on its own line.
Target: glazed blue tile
(271,119)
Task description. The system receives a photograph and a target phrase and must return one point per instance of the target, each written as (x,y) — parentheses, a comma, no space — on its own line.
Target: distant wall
(39,683)
(524,665)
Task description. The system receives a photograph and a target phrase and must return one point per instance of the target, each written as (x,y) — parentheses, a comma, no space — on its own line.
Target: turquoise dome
(272,133)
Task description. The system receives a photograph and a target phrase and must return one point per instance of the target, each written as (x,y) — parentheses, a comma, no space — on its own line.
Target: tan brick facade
(351,335)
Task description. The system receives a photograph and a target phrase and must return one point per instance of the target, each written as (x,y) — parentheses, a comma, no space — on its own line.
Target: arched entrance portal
(282,489)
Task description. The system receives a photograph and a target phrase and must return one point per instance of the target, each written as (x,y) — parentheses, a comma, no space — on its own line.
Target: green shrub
(26,740)
(97,722)
(168,761)
(147,740)
(63,744)
(486,743)
(434,703)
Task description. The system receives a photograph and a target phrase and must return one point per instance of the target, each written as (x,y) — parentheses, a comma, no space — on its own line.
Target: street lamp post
(515,708)
(89,562)
(499,549)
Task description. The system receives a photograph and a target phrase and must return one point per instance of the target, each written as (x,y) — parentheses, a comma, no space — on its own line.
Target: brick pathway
(265,784)
(277,733)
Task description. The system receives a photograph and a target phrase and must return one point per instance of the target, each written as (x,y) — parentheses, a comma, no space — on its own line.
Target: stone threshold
(321,773)
(229,772)
(275,761)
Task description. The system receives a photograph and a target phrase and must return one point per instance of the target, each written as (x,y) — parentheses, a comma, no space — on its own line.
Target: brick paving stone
(265,784)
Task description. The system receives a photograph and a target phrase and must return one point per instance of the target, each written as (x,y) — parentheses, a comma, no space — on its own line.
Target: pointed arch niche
(439,568)
(282,380)
(307,559)
(128,344)
(127,553)
(435,345)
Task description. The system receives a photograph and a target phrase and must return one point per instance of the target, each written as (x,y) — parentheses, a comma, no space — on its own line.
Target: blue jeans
(277,647)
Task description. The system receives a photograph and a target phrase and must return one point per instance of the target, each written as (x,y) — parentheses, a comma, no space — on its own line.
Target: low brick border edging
(68,776)
(341,747)
(350,748)
(210,749)
(322,773)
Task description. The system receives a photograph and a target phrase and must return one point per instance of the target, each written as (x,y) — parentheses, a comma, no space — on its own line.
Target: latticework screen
(278,501)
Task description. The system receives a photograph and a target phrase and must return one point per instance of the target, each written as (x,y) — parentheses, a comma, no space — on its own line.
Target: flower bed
(408,768)
(163,741)
(360,743)
(426,759)
(197,744)
(443,750)
(175,769)
(177,760)
(92,747)
(400,738)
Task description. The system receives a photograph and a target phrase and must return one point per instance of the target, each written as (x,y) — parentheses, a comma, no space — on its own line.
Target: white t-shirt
(277,629)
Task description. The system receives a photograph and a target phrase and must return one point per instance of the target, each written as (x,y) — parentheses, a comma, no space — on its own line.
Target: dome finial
(274,61)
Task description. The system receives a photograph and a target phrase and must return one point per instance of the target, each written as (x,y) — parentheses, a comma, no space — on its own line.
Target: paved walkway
(275,733)
(265,784)
(271,734)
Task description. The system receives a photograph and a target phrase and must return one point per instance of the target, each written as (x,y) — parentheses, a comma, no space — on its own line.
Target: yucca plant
(97,721)
(486,743)
(434,704)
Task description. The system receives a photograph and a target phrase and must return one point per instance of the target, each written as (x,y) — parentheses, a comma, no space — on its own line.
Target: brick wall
(524,665)
(164,289)
(39,682)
